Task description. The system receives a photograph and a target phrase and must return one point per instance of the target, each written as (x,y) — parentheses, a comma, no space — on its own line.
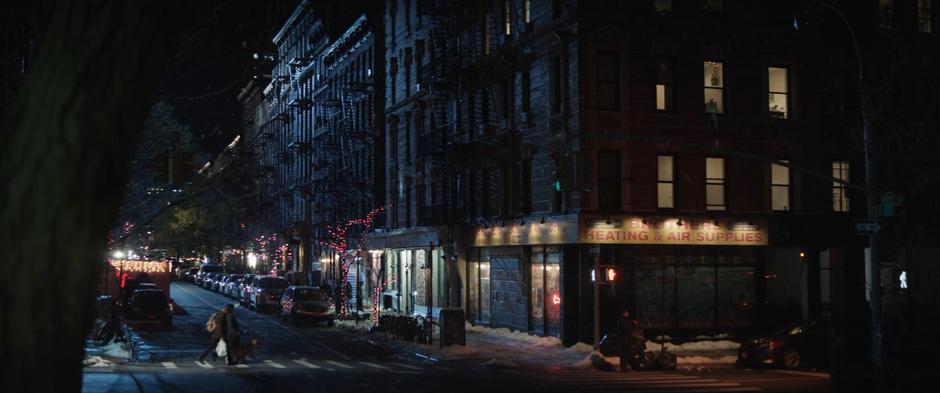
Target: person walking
(625,337)
(231,332)
(218,330)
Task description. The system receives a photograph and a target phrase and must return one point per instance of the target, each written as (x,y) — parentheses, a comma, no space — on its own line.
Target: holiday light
(340,244)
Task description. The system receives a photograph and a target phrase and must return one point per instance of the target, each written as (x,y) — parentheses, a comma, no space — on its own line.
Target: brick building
(680,143)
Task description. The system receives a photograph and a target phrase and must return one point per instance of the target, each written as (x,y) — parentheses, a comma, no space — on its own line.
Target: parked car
(265,292)
(220,282)
(800,344)
(207,280)
(307,303)
(148,306)
(191,274)
(206,269)
(232,285)
(244,289)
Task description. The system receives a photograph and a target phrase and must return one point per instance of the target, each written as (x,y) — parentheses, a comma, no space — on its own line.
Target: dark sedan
(801,344)
(148,307)
(307,303)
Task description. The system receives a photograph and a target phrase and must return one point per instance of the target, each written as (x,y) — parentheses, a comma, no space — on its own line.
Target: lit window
(714,87)
(714,183)
(664,84)
(777,83)
(528,11)
(885,13)
(925,16)
(780,186)
(665,190)
(840,199)
(487,21)
(507,19)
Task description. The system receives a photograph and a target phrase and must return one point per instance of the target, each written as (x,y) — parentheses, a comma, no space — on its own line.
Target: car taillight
(773,344)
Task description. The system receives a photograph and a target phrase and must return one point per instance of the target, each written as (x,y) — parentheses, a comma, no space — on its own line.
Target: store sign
(672,230)
(127,265)
(553,231)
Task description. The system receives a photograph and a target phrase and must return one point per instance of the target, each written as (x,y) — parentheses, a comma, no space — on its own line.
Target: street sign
(867,227)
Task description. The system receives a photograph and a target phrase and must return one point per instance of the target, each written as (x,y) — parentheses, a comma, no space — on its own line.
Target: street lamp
(870,196)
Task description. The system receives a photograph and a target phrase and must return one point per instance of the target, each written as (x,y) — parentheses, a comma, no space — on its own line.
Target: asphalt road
(307,358)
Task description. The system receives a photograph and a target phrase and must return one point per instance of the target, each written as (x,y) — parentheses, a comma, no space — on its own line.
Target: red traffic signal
(611,274)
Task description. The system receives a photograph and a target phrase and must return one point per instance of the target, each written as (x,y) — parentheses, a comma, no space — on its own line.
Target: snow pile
(115,350)
(599,361)
(688,361)
(97,361)
(696,346)
(502,363)
(516,335)
(580,348)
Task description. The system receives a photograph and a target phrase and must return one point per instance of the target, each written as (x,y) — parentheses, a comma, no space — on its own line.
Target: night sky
(214,62)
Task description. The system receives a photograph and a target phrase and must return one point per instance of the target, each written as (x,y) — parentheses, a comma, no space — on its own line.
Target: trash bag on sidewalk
(221,349)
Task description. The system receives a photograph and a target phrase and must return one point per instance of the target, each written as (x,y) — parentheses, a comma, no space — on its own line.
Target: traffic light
(561,173)
(610,275)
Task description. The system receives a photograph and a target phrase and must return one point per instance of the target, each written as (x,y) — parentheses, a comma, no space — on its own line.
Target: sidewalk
(504,348)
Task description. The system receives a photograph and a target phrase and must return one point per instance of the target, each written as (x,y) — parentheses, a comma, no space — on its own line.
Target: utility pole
(877,353)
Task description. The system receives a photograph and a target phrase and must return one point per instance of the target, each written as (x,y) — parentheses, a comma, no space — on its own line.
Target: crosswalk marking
(275,365)
(305,363)
(242,365)
(338,364)
(202,364)
(406,366)
(374,365)
(169,364)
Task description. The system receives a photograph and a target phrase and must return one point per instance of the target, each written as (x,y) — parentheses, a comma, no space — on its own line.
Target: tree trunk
(66,148)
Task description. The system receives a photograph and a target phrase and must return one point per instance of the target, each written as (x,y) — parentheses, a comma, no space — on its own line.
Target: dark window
(608,80)
(608,180)
(408,136)
(526,90)
(556,85)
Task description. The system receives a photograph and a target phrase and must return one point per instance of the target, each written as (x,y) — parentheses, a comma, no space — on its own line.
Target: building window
(666,185)
(714,183)
(526,90)
(608,180)
(487,21)
(408,119)
(780,186)
(714,87)
(925,16)
(608,80)
(528,11)
(777,88)
(507,18)
(662,7)
(885,13)
(556,86)
(556,9)
(408,15)
(664,84)
(840,198)
(407,59)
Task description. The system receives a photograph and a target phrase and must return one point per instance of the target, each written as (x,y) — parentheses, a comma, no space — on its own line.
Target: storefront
(674,274)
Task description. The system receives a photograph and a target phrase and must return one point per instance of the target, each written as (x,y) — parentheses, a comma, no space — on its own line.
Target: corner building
(677,143)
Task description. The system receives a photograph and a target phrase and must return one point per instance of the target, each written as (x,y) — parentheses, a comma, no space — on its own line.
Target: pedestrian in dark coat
(219,321)
(625,328)
(231,332)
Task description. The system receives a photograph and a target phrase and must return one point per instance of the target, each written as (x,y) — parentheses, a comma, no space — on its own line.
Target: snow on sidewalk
(507,348)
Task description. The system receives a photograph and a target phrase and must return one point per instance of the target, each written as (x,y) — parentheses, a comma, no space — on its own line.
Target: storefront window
(655,290)
(485,292)
(553,294)
(537,291)
(421,279)
(473,291)
(695,293)
(735,295)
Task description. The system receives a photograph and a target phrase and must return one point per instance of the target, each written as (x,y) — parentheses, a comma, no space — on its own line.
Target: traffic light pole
(597,302)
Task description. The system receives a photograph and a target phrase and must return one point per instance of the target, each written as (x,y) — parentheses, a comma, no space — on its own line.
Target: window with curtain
(925,16)
(840,198)
(778,92)
(714,87)
(664,84)
(665,188)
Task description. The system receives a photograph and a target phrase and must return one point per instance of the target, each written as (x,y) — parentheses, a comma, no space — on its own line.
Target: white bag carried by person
(221,349)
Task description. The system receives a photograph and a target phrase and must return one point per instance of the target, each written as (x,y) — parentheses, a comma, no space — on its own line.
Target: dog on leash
(238,354)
